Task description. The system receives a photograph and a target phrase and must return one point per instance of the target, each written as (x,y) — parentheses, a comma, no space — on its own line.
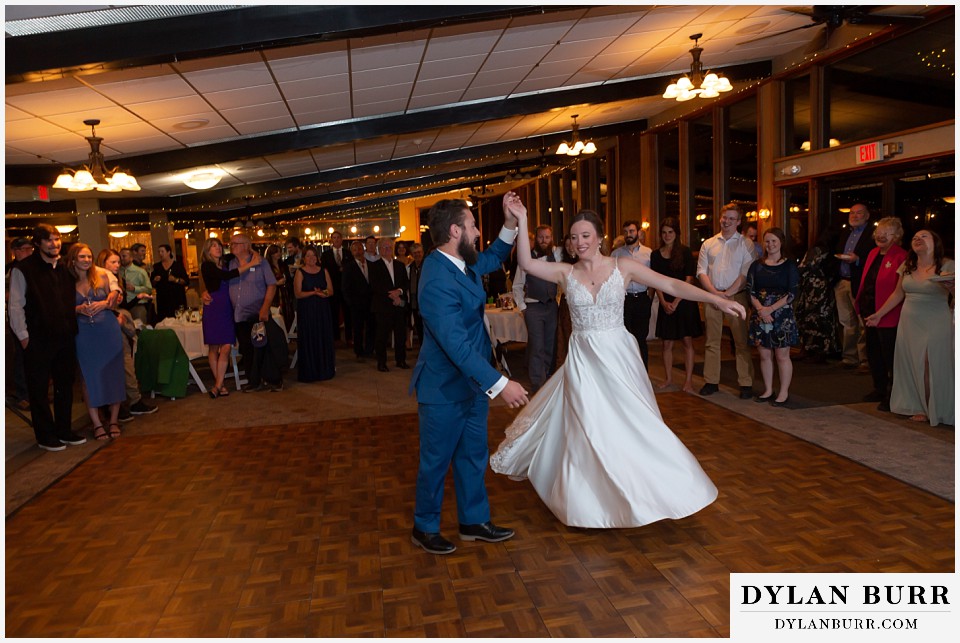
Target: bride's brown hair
(590,217)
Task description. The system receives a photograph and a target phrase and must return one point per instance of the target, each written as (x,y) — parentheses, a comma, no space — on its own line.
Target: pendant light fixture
(696,83)
(576,147)
(95,175)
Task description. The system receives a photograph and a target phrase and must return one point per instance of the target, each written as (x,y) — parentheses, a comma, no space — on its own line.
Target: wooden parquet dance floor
(304,530)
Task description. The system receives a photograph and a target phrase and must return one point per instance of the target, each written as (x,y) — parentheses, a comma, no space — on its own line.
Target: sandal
(223,392)
(114,433)
(99,433)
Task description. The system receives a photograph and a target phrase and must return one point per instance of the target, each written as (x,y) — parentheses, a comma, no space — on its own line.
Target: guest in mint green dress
(923,380)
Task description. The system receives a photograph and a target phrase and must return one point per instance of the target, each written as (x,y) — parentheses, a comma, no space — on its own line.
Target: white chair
(292,334)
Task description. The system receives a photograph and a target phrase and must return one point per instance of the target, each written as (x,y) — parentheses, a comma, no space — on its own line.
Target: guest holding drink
(218,328)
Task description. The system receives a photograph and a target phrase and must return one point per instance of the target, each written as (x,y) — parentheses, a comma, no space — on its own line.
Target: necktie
(336,254)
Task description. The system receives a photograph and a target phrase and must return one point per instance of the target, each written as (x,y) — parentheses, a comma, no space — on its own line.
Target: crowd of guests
(859,295)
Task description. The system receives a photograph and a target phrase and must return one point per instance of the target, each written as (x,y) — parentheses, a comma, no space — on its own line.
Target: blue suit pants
(454,434)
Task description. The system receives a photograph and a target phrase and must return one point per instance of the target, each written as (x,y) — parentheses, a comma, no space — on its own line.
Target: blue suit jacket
(455,358)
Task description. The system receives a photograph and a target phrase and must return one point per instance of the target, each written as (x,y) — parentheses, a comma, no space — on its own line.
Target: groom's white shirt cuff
(494,390)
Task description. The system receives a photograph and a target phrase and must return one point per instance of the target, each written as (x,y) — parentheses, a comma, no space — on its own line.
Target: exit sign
(869,153)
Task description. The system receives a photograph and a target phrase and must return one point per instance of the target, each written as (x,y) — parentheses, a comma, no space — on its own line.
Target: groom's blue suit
(452,377)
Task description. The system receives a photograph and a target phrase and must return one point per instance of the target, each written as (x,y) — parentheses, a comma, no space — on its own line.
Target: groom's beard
(468,251)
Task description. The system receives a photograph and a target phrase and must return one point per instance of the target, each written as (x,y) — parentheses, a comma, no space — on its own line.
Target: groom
(454,377)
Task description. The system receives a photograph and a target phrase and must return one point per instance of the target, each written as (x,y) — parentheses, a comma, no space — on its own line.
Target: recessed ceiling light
(195,123)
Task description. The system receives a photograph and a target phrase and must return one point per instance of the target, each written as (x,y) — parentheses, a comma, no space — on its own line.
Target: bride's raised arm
(544,270)
(633,270)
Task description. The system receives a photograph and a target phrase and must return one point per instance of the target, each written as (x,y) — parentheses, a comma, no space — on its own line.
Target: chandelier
(576,147)
(203,179)
(696,83)
(95,175)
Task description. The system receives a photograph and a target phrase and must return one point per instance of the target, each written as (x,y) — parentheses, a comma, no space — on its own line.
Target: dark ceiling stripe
(110,203)
(224,32)
(324,135)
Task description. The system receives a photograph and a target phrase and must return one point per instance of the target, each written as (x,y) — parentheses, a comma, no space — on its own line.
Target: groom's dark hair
(444,214)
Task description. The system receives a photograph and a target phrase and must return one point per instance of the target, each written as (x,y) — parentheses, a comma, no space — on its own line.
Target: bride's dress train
(592,441)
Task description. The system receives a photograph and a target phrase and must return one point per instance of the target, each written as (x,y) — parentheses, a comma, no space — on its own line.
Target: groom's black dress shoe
(432,543)
(487,532)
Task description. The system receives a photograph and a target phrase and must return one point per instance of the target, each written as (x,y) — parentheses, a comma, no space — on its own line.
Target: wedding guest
(816,305)
(879,280)
(389,290)
(356,294)
(852,249)
(134,404)
(923,362)
(170,280)
(281,298)
(772,283)
(333,260)
(218,328)
(99,341)
(313,289)
(42,307)
(722,265)
(139,292)
(678,318)
(251,294)
(637,304)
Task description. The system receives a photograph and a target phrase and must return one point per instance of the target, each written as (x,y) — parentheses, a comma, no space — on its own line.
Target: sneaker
(73,439)
(276,388)
(125,415)
(51,445)
(256,388)
(142,408)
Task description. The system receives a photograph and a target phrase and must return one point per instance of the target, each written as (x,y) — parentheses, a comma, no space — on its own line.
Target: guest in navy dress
(313,289)
(678,318)
(217,320)
(772,283)
(99,341)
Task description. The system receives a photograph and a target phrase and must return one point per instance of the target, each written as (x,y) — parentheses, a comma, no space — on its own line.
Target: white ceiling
(186,104)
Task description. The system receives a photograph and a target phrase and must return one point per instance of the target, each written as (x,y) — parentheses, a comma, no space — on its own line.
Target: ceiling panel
(316,87)
(230,78)
(60,102)
(243,96)
(145,89)
(450,67)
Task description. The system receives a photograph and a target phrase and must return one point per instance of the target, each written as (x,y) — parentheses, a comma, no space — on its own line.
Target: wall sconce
(645,225)
(403,229)
(260,232)
(376,228)
(118,235)
(764,214)
(353,229)
(805,146)
(306,231)
(330,230)
(66,229)
(213,234)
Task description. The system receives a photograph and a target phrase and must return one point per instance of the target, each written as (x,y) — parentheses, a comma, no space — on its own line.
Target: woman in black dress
(313,288)
(678,318)
(170,280)
(772,283)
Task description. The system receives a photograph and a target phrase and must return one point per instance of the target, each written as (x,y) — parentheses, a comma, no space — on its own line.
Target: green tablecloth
(161,363)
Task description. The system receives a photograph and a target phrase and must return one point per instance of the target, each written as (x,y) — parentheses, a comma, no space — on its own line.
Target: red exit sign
(869,153)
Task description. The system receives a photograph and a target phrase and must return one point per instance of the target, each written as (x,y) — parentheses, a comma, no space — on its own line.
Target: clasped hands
(513,209)
(394,296)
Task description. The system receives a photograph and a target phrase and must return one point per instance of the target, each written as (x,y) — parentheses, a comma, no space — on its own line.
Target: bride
(592,442)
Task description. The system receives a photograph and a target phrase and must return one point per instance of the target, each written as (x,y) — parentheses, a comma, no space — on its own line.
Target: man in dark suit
(355,282)
(416,251)
(332,260)
(390,289)
(454,376)
(856,242)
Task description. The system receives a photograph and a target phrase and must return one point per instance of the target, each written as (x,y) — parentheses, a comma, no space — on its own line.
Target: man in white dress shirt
(636,305)
(722,270)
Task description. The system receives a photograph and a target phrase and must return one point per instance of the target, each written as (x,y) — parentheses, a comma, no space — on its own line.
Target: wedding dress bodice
(604,313)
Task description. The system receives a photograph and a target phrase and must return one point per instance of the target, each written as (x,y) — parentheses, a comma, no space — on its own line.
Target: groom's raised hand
(514,394)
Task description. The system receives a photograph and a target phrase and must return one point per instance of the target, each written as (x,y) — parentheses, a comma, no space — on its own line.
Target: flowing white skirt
(594,446)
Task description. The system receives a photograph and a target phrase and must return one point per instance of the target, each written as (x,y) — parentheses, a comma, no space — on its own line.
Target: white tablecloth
(189,334)
(505,325)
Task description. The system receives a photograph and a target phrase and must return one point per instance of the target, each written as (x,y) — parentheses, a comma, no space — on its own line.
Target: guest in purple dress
(218,332)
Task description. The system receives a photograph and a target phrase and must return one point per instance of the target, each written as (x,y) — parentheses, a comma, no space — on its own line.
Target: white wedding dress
(592,441)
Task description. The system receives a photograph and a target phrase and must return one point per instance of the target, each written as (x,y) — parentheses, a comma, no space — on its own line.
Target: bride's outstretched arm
(635,271)
(544,270)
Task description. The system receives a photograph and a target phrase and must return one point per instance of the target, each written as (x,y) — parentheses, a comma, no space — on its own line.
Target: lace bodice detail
(606,313)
